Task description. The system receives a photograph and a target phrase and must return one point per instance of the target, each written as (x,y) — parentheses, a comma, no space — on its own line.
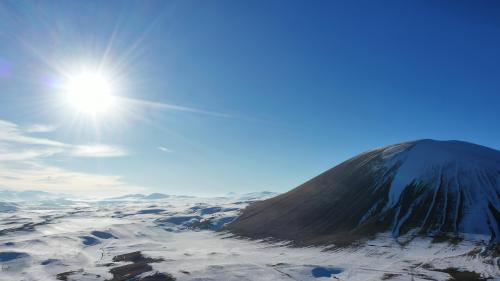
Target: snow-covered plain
(66,240)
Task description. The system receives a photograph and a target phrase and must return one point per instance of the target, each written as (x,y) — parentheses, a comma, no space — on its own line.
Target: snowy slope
(8,207)
(83,243)
(427,187)
(463,178)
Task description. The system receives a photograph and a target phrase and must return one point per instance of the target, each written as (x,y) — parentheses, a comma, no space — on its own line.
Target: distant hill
(154,196)
(256,195)
(127,197)
(158,196)
(29,195)
(132,197)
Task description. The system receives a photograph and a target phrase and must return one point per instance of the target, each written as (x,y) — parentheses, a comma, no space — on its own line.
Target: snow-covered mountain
(127,197)
(154,196)
(422,187)
(136,197)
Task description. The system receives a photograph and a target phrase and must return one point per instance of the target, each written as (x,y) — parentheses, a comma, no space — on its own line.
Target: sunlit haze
(101,98)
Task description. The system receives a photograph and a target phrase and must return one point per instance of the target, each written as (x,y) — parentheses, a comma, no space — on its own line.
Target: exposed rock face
(426,187)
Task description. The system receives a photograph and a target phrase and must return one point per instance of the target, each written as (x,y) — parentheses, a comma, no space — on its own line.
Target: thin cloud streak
(167,106)
(137,103)
(10,133)
(41,128)
(98,151)
(164,149)
(29,154)
(13,137)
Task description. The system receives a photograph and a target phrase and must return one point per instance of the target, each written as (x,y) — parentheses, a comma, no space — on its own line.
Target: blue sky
(238,95)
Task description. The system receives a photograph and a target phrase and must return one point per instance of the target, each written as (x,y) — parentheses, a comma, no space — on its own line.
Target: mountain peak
(424,186)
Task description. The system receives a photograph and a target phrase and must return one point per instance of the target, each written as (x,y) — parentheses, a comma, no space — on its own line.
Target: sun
(90,93)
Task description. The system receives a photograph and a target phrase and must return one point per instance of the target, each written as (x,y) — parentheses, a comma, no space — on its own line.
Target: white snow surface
(469,172)
(426,159)
(38,241)
(7,207)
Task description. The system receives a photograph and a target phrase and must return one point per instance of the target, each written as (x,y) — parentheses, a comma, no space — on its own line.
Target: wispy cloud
(11,133)
(23,165)
(41,128)
(15,139)
(168,106)
(28,154)
(98,150)
(164,149)
(30,175)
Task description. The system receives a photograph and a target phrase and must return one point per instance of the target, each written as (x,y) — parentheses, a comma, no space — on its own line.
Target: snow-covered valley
(178,238)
